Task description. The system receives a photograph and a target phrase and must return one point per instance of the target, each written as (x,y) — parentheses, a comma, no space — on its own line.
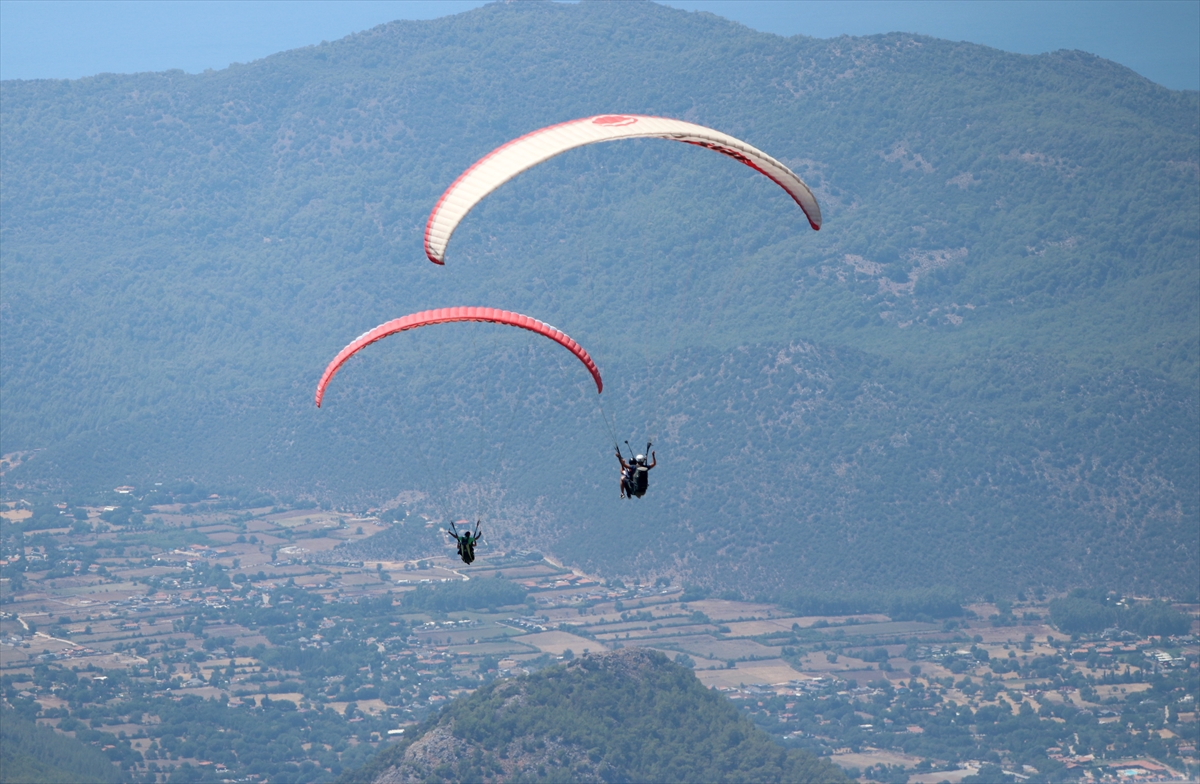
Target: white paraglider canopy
(507,161)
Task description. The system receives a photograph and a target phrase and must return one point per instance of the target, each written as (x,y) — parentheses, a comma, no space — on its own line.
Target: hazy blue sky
(1159,39)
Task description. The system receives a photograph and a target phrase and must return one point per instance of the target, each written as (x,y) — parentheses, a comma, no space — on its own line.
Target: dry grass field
(495,648)
(642,631)
(726,611)
(762,673)
(710,648)
(867,758)
(883,628)
(555,643)
(949,776)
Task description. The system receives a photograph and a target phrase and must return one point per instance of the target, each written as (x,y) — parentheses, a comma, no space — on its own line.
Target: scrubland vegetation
(981,373)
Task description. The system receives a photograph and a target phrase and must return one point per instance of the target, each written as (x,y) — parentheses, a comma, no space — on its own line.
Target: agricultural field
(223,639)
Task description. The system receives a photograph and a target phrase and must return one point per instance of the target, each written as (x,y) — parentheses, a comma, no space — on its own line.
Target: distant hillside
(30,754)
(628,715)
(983,372)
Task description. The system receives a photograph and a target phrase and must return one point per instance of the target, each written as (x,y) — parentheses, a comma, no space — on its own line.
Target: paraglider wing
(449,315)
(507,161)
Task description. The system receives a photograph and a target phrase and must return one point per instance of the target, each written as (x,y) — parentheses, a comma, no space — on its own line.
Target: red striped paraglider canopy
(450,315)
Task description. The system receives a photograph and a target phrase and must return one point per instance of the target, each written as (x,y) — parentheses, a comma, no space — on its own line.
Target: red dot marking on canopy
(614,119)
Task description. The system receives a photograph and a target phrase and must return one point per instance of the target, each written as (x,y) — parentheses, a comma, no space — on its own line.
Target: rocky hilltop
(626,715)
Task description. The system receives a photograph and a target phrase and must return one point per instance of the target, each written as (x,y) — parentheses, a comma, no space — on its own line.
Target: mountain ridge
(183,254)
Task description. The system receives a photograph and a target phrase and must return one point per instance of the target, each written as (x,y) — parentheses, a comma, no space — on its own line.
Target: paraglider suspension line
(660,398)
(612,432)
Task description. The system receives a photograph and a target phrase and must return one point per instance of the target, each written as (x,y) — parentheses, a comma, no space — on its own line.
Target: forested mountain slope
(628,715)
(35,754)
(981,372)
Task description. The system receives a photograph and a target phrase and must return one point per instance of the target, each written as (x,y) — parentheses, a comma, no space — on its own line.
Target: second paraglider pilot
(635,475)
(466,542)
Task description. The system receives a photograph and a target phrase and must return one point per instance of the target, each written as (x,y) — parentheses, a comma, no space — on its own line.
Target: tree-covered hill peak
(626,715)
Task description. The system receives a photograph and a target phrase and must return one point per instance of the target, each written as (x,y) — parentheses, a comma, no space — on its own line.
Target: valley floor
(192,646)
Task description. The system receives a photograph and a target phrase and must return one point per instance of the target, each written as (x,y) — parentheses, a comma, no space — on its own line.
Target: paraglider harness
(635,475)
(466,542)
